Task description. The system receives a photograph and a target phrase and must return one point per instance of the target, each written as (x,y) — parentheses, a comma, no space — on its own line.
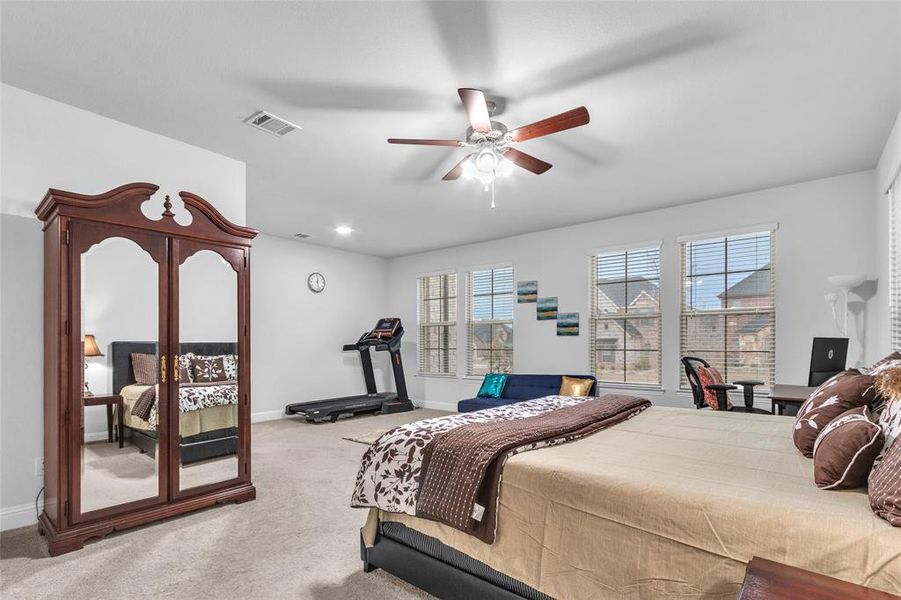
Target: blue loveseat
(522,387)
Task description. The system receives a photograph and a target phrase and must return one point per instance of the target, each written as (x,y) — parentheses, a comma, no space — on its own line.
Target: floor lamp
(845,283)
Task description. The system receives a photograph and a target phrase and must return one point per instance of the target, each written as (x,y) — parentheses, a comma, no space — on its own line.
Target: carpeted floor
(298,539)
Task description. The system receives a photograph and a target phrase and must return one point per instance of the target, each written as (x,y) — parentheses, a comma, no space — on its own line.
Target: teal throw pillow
(492,385)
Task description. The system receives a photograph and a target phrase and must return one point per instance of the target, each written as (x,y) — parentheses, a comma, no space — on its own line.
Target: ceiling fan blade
(457,170)
(527,161)
(425,142)
(476,109)
(567,120)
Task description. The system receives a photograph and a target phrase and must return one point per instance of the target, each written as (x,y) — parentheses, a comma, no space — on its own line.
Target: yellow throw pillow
(572,386)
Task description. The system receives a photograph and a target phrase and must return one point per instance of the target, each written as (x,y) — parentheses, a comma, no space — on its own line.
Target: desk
(768,580)
(109,401)
(782,395)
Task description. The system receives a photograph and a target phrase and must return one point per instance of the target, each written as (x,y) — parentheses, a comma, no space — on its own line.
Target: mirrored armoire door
(118,291)
(208,431)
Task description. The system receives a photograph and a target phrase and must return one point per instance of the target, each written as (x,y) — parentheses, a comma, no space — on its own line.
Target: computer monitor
(827,358)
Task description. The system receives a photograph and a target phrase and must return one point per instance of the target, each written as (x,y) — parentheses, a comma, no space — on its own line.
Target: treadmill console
(386,328)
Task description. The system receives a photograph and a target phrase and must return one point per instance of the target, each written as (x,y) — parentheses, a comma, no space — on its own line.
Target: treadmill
(385,336)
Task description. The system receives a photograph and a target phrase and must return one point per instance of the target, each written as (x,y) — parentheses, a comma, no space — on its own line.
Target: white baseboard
(268,415)
(22,515)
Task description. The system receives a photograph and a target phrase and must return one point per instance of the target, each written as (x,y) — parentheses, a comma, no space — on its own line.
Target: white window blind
(729,305)
(438,324)
(625,318)
(895,262)
(489,316)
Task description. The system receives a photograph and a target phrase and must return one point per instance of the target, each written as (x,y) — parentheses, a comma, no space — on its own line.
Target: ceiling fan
(492,142)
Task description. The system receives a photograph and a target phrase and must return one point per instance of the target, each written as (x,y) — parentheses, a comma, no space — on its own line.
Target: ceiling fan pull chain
(492,195)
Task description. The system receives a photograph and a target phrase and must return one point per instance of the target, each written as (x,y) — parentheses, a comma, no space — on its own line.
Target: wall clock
(316,282)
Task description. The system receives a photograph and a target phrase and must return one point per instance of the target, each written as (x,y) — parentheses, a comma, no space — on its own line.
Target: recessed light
(343,230)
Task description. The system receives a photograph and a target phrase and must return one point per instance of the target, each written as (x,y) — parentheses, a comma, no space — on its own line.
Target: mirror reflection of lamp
(91,349)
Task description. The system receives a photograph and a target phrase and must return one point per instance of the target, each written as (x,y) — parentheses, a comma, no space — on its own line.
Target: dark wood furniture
(783,395)
(768,580)
(109,401)
(691,364)
(73,224)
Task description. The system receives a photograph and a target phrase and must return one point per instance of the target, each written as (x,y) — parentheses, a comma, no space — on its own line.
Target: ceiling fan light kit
(492,142)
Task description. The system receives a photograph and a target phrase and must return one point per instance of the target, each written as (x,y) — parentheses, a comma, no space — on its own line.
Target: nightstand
(769,580)
(109,401)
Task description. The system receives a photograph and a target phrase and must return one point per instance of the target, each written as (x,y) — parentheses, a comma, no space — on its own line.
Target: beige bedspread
(190,423)
(674,503)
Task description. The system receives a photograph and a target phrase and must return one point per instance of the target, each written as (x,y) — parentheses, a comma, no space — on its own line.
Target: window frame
(470,349)
(685,313)
(596,318)
(421,350)
(894,200)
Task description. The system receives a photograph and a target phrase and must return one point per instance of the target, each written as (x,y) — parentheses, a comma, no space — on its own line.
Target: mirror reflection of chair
(704,380)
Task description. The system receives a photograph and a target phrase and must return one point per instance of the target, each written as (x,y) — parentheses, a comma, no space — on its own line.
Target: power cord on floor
(37,513)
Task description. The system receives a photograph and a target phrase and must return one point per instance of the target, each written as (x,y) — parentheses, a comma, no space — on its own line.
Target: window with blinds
(489,316)
(895,262)
(729,305)
(625,317)
(438,324)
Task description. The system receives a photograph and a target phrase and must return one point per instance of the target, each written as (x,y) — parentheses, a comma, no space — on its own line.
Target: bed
(205,433)
(670,503)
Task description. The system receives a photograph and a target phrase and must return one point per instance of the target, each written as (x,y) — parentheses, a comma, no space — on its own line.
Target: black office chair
(691,363)
(827,359)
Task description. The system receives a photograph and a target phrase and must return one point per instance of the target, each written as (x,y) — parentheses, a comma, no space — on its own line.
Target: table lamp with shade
(91,349)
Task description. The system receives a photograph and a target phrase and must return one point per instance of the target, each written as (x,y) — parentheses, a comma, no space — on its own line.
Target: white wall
(825,227)
(886,171)
(49,144)
(297,335)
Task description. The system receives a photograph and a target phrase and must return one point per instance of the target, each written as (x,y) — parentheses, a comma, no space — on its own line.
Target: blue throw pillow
(492,385)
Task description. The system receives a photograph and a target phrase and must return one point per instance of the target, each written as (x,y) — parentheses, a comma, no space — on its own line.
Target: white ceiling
(688,100)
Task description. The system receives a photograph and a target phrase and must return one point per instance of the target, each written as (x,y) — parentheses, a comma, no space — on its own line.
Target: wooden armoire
(165,297)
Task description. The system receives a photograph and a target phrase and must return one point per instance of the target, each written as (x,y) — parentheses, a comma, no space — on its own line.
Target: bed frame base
(438,578)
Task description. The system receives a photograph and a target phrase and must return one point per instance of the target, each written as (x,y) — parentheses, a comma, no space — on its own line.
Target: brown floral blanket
(449,468)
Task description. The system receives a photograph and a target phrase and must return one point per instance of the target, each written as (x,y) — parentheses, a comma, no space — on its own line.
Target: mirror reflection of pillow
(185,372)
(144,367)
(208,369)
(573,386)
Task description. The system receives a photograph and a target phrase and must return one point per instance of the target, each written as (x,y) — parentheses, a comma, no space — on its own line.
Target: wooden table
(782,395)
(768,580)
(108,401)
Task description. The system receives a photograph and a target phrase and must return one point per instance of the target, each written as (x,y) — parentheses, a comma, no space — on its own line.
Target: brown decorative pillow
(144,366)
(208,369)
(185,372)
(710,376)
(847,390)
(885,486)
(846,449)
(573,386)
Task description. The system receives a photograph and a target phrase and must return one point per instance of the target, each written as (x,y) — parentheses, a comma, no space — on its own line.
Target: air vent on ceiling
(270,123)
(302,236)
